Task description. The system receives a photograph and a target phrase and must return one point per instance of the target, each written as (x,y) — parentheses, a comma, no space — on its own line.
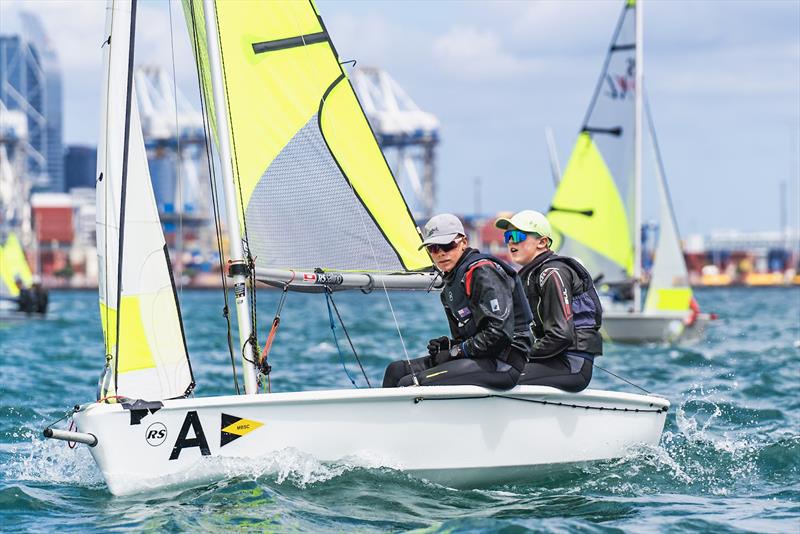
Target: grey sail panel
(303,214)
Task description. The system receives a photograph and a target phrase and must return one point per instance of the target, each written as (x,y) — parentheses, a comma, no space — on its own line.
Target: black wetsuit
(566,322)
(489,323)
(25,301)
(40,299)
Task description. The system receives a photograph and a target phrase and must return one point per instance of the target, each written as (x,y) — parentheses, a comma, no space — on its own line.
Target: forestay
(315,191)
(592,209)
(144,342)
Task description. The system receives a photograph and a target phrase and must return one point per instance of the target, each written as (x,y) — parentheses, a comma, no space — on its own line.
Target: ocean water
(729,459)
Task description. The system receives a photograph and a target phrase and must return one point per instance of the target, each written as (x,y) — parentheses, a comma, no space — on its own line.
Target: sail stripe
(669,299)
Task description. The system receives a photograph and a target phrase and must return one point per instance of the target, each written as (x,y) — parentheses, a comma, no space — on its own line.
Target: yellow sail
(13,265)
(314,188)
(587,209)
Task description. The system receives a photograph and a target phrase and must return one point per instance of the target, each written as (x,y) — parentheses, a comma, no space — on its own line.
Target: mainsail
(592,210)
(13,266)
(315,191)
(144,342)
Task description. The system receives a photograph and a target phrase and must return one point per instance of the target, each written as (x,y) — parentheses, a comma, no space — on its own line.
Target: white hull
(664,327)
(456,435)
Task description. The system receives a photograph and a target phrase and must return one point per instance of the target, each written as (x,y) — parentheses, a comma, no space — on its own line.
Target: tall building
(54,100)
(30,82)
(22,88)
(80,164)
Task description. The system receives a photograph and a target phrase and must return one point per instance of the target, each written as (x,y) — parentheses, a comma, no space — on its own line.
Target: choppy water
(729,460)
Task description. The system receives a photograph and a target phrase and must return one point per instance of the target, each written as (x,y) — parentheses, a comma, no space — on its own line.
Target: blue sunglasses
(514,236)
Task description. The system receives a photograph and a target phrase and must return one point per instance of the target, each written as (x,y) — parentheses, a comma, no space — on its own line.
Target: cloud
(468,52)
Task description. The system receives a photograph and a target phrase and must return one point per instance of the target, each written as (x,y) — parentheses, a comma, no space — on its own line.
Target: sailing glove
(438,344)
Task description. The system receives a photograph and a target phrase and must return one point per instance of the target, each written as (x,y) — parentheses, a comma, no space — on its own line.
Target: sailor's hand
(438,344)
(440,357)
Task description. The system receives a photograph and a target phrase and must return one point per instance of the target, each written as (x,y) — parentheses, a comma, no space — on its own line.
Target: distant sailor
(489,317)
(567,312)
(39,296)
(25,301)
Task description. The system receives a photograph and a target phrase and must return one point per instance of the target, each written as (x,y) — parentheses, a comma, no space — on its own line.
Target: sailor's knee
(394,372)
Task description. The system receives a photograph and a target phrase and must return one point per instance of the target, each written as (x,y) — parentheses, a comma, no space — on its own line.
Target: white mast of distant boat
(637,164)
(236,250)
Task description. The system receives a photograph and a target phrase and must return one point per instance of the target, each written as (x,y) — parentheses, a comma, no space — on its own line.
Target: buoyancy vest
(587,312)
(459,290)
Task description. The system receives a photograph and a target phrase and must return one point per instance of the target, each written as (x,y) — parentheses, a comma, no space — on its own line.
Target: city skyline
(725,90)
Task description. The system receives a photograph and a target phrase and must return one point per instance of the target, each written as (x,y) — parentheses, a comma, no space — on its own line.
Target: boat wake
(36,459)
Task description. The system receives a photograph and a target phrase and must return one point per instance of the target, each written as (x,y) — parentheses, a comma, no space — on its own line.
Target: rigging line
(545,403)
(623,379)
(607,61)
(328,292)
(344,329)
(657,150)
(360,213)
(178,148)
(213,184)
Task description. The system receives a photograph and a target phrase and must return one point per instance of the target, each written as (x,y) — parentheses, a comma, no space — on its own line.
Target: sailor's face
(444,259)
(523,252)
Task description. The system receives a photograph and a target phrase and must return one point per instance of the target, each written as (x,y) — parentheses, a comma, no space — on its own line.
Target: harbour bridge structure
(15,213)
(407,135)
(173,135)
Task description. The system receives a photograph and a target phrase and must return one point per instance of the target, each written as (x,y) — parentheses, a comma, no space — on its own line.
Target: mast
(236,252)
(637,163)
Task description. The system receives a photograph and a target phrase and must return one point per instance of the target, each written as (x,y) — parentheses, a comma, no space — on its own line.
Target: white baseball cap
(529,221)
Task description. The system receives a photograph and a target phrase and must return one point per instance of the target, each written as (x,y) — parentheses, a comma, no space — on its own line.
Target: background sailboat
(597,207)
(13,266)
(290,131)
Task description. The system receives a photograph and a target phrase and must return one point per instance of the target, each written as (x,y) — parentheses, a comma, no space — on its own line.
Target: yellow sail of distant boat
(588,210)
(14,265)
(314,188)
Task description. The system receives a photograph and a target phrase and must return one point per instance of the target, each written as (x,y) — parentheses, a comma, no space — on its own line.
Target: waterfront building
(80,164)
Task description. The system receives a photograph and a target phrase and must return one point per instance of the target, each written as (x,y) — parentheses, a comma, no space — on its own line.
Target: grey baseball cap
(442,229)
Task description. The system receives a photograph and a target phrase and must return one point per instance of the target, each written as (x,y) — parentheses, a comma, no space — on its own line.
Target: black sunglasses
(447,247)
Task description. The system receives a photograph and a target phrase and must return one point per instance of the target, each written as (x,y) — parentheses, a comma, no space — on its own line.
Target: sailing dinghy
(597,207)
(13,267)
(294,145)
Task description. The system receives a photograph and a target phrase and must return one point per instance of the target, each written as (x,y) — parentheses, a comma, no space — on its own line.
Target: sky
(722,76)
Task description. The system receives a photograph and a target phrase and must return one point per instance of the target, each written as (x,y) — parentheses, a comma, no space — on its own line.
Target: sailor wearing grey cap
(488,315)
(567,311)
